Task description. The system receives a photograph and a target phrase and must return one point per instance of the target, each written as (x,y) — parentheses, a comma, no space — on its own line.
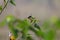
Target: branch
(4,7)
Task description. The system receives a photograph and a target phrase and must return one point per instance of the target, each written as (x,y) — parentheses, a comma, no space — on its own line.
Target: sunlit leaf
(22,23)
(10,18)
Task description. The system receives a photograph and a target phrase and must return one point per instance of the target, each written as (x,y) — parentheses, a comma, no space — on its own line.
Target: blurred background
(41,9)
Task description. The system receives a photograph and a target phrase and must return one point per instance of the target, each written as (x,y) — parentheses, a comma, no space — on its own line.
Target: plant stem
(4,7)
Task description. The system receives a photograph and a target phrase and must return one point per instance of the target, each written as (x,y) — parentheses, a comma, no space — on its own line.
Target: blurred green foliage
(50,35)
(17,25)
(47,30)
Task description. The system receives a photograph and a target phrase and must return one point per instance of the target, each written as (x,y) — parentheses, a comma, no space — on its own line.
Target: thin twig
(4,7)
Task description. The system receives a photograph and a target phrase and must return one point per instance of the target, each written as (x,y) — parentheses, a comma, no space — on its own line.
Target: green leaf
(37,26)
(12,2)
(10,18)
(25,29)
(24,33)
(22,24)
(13,30)
(37,32)
(0,8)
